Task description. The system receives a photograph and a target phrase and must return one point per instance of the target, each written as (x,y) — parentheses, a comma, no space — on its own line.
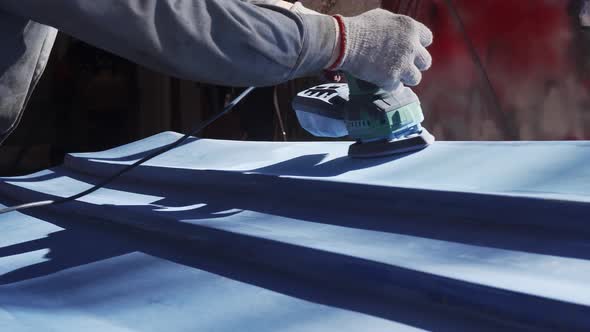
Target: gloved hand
(384,48)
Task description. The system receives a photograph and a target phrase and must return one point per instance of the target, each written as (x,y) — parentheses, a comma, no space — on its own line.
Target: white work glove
(385,48)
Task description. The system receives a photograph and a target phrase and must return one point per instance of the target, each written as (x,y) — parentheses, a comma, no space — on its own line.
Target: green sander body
(381,122)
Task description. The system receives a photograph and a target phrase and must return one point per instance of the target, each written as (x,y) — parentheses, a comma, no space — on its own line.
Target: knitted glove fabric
(385,48)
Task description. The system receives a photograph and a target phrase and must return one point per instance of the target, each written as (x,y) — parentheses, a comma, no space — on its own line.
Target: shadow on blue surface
(313,166)
(504,223)
(85,242)
(382,209)
(211,195)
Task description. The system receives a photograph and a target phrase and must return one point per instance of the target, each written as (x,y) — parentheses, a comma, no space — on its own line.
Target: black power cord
(136,164)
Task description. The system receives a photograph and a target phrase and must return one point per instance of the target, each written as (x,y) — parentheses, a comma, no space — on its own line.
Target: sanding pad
(387,148)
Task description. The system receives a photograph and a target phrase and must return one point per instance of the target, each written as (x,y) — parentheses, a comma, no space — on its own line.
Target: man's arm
(229,42)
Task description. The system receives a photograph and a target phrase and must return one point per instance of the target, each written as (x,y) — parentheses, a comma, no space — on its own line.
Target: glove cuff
(341,45)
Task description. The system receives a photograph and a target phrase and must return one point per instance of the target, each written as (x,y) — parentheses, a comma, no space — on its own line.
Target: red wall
(534,54)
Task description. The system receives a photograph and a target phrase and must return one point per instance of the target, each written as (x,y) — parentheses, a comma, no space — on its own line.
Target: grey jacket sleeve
(229,42)
(25,49)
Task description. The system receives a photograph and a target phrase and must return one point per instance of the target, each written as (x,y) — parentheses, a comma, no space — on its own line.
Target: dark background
(532,84)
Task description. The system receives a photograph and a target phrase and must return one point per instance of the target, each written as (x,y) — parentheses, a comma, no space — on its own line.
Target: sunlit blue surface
(298,237)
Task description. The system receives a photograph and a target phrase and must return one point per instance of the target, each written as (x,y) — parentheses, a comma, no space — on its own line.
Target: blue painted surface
(296,236)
